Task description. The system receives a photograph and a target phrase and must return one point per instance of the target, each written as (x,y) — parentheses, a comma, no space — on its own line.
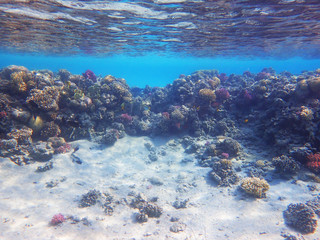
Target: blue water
(154,70)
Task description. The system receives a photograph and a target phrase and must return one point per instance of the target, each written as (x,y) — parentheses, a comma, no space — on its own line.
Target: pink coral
(166,115)
(225,155)
(64,148)
(57,219)
(3,114)
(90,75)
(126,118)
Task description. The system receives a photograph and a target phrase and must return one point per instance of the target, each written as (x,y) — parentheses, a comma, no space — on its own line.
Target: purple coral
(247,96)
(222,94)
(57,219)
(89,75)
(263,75)
(223,77)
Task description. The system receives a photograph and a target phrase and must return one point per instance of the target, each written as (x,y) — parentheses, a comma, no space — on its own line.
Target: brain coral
(255,186)
(46,99)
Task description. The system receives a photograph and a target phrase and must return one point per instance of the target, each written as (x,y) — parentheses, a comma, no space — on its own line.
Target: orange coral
(314,161)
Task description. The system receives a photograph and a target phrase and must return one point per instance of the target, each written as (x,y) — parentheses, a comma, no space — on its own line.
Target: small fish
(246,120)
(122,106)
(36,123)
(146,107)
(196,108)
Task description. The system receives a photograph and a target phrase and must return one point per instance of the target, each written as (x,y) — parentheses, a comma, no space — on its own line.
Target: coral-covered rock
(89,199)
(301,217)
(7,71)
(50,129)
(22,136)
(223,174)
(57,141)
(46,99)
(285,164)
(314,85)
(230,146)
(21,81)
(42,151)
(315,205)
(146,209)
(8,144)
(255,186)
(302,90)
(110,137)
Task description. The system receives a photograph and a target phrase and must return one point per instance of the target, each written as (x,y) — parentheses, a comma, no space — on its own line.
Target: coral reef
(255,186)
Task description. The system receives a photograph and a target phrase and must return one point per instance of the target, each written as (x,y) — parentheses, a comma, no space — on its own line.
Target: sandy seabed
(27,204)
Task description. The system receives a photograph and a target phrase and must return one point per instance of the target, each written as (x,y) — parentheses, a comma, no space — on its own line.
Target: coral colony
(57,219)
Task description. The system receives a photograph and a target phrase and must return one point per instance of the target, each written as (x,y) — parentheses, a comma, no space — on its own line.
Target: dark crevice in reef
(41,111)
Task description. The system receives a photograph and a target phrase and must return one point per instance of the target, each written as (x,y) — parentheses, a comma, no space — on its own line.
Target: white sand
(27,205)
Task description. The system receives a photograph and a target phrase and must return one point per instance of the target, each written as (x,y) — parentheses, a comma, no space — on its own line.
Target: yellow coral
(108,79)
(207,94)
(214,82)
(306,113)
(255,186)
(260,163)
(227,164)
(20,79)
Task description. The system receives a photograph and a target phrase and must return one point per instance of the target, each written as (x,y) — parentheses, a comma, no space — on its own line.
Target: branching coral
(255,186)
